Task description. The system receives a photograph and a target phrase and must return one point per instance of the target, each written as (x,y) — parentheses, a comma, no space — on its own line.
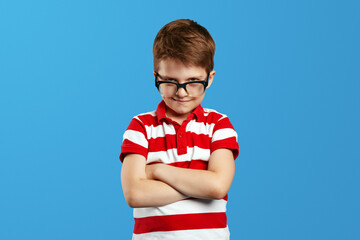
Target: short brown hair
(187,41)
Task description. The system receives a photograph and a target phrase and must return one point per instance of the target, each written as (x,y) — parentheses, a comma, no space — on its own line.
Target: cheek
(199,99)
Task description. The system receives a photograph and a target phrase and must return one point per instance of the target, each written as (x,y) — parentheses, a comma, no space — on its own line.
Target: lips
(181,101)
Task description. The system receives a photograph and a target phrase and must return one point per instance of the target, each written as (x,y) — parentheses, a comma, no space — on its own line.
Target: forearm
(212,183)
(139,191)
(151,193)
(191,182)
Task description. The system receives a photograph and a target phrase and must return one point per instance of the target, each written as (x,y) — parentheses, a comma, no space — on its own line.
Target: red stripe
(213,117)
(136,126)
(180,222)
(149,120)
(229,143)
(223,123)
(162,143)
(193,164)
(198,140)
(170,141)
(130,147)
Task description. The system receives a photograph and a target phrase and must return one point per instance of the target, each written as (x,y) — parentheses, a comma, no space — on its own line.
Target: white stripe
(208,111)
(152,113)
(136,137)
(200,128)
(222,117)
(223,134)
(159,131)
(183,207)
(171,156)
(208,234)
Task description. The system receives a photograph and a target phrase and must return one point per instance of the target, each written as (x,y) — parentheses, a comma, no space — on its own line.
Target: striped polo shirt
(189,145)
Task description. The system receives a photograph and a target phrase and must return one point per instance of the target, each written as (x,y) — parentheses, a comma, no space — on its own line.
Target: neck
(179,118)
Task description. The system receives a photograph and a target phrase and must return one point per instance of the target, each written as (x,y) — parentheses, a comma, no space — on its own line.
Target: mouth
(181,101)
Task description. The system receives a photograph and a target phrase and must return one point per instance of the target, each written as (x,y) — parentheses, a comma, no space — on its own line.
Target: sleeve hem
(129,150)
(234,147)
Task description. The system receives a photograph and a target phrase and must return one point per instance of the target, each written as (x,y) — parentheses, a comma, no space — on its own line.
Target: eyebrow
(168,77)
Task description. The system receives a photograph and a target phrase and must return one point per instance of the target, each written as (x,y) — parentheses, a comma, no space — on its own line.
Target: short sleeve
(134,140)
(224,136)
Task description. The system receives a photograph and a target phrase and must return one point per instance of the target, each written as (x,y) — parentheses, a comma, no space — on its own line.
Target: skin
(179,106)
(159,184)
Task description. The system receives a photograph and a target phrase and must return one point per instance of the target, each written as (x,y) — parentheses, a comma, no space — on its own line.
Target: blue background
(74,73)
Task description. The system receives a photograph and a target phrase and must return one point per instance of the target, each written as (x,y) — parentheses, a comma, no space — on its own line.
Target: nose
(181,92)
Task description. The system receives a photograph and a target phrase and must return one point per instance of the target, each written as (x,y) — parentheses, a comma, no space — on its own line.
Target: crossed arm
(159,184)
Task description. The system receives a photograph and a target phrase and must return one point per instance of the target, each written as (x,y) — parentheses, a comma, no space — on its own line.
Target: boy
(178,161)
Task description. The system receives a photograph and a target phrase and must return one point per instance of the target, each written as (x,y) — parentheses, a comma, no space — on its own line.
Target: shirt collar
(160,111)
(198,113)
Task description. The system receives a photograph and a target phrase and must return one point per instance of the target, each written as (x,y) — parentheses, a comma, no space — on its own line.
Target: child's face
(179,104)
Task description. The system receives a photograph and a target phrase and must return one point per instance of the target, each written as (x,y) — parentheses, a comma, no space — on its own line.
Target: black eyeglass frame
(180,85)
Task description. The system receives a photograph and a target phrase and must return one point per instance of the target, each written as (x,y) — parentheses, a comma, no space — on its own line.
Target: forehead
(175,68)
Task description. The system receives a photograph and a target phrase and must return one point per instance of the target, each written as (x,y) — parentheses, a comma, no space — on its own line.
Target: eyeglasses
(169,87)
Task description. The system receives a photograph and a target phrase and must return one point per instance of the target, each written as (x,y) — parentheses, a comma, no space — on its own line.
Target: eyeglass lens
(170,89)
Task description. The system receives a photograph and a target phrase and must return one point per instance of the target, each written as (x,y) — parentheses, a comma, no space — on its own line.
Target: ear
(154,73)
(211,78)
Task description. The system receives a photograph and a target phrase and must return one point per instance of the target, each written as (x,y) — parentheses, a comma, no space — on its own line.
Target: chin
(181,110)
(182,107)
